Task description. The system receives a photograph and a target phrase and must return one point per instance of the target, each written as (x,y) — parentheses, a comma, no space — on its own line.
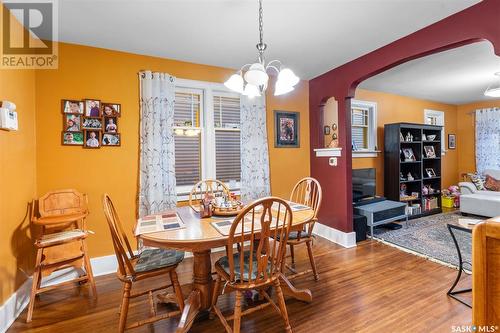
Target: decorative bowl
(431,137)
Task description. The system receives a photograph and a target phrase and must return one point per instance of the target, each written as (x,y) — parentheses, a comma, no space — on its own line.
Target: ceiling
(456,76)
(311,37)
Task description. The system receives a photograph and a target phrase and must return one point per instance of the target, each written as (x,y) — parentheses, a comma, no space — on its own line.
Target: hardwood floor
(370,288)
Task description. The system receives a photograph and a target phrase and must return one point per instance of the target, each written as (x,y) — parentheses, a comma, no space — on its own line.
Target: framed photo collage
(90,123)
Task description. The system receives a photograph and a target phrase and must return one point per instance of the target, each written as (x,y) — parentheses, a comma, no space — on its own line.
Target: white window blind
(187,141)
(227,138)
(360,124)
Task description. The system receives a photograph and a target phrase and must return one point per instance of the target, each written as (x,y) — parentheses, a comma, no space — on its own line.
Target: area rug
(429,237)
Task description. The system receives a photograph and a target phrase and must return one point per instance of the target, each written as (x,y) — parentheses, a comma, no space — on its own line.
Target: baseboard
(346,239)
(19,300)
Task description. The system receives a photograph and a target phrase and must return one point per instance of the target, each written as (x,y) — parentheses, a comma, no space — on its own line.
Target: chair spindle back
(308,192)
(208,186)
(120,240)
(257,223)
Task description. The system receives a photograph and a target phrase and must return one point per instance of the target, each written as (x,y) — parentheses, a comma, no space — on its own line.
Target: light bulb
(256,75)
(287,77)
(235,83)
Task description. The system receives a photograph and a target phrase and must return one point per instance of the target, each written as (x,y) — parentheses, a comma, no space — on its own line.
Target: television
(363,184)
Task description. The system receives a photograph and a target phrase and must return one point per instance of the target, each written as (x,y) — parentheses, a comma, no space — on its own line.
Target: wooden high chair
(61,215)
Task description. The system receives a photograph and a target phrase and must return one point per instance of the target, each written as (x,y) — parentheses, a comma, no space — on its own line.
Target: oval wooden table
(200,237)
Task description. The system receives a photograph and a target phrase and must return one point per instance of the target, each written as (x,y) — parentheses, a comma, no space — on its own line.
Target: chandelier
(252,79)
(494,88)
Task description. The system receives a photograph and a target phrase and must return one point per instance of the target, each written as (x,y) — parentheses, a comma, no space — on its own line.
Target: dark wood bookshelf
(395,164)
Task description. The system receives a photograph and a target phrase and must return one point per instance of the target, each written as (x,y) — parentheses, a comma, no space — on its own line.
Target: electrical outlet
(332,161)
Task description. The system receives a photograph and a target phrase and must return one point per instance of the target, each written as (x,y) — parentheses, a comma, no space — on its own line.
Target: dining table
(200,237)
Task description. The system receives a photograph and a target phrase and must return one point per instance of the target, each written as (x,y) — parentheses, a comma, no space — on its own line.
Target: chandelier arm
(243,68)
(273,67)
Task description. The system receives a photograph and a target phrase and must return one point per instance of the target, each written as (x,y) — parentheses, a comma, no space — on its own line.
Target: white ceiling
(457,76)
(311,37)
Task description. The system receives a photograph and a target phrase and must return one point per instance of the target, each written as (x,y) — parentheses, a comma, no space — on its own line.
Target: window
(433,117)
(207,135)
(364,128)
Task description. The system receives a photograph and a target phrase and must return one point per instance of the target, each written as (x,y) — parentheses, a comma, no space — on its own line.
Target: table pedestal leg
(289,290)
(198,301)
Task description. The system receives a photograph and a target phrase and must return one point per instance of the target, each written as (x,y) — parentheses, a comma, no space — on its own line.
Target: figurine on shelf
(410,177)
(431,190)
(425,190)
(402,190)
(408,137)
(401,137)
(424,138)
(401,177)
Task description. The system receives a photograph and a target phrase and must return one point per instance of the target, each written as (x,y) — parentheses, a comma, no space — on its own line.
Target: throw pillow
(477,180)
(492,184)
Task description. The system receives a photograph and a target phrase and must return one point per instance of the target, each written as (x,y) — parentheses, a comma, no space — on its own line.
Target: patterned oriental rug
(429,237)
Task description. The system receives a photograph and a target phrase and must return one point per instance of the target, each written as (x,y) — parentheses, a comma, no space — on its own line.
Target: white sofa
(483,203)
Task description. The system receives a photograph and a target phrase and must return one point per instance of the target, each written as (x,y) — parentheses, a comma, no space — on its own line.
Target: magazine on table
(158,222)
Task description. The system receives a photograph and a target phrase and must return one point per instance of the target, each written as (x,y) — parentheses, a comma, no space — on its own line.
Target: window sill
(365,153)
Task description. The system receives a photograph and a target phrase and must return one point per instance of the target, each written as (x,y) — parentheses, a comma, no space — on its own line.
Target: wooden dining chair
(208,186)
(133,268)
(486,274)
(60,216)
(306,192)
(259,266)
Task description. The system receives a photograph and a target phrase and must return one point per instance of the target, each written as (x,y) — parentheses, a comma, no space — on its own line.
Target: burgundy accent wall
(476,23)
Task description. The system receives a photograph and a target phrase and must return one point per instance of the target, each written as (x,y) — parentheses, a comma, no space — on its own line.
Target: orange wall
(17,181)
(86,72)
(466,134)
(394,108)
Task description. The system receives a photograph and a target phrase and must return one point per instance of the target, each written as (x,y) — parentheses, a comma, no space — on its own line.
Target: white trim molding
(345,239)
(371,107)
(365,153)
(328,152)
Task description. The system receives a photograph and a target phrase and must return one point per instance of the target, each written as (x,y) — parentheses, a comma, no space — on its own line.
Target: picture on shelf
(429,152)
(110,124)
(72,123)
(72,138)
(452,143)
(110,139)
(92,139)
(111,110)
(71,106)
(430,172)
(409,156)
(92,123)
(92,108)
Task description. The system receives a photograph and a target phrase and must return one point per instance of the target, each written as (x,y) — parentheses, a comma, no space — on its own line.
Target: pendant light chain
(252,79)
(261,46)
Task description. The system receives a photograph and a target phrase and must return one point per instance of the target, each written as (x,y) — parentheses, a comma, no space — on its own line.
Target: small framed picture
(111,109)
(92,139)
(326,130)
(72,138)
(111,139)
(72,106)
(72,122)
(452,144)
(430,172)
(409,156)
(92,108)
(429,152)
(110,125)
(286,125)
(92,123)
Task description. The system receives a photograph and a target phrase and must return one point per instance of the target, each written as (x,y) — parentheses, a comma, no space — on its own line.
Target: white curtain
(254,150)
(487,139)
(157,148)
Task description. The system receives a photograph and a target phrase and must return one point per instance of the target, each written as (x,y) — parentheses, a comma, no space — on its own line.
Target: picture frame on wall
(286,126)
(92,139)
(110,124)
(72,122)
(111,139)
(72,139)
(92,108)
(91,123)
(111,109)
(72,106)
(452,143)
